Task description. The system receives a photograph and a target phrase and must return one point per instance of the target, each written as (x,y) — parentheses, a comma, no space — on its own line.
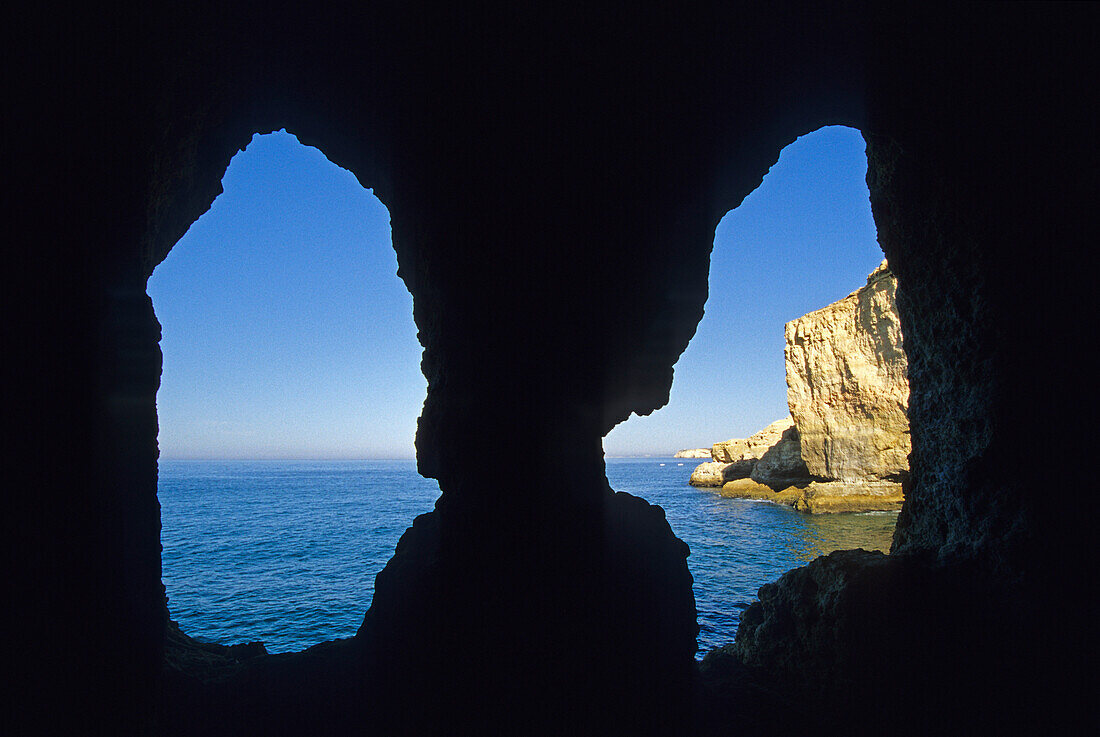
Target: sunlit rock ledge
(819,497)
(845,447)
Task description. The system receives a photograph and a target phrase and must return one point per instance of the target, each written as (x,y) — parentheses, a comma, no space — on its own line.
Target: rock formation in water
(752,447)
(693,453)
(711,473)
(845,446)
(847,385)
(782,464)
(736,458)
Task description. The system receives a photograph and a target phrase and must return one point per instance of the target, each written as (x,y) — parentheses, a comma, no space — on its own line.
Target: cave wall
(554,178)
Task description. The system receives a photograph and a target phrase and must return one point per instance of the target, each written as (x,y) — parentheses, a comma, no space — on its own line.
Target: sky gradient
(287,333)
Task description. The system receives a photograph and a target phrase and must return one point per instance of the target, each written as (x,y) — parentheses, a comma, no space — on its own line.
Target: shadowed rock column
(533,594)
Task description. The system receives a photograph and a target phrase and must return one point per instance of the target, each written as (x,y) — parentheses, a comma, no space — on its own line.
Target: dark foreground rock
(834,633)
(447,642)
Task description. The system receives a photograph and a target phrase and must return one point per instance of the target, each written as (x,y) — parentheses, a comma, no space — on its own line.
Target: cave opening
(287,406)
(802,243)
(979,144)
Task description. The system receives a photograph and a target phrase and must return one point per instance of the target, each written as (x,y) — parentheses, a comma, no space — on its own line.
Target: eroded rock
(847,385)
(782,465)
(821,497)
(752,447)
(749,489)
(845,446)
(841,496)
(737,458)
(711,473)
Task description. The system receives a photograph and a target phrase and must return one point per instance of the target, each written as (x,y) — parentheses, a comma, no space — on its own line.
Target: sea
(285,552)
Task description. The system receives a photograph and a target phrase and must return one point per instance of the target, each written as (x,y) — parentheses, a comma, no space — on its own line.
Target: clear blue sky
(802,239)
(286,331)
(287,334)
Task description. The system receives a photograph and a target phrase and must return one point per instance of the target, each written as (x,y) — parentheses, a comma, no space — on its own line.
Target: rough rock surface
(737,458)
(845,447)
(847,385)
(693,453)
(844,614)
(711,473)
(842,496)
(782,464)
(821,497)
(752,447)
(749,489)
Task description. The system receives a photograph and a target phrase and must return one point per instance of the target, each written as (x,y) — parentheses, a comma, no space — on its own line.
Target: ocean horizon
(285,551)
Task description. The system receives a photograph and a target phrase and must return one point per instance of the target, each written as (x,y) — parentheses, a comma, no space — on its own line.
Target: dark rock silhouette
(562,169)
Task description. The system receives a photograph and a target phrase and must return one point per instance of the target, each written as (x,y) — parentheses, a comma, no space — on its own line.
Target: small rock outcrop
(693,453)
(820,497)
(752,447)
(782,465)
(711,473)
(737,458)
(845,447)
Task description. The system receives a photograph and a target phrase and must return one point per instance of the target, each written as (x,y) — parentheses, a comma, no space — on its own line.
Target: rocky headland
(693,453)
(845,446)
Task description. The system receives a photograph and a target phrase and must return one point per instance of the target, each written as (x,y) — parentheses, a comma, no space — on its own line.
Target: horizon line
(373,458)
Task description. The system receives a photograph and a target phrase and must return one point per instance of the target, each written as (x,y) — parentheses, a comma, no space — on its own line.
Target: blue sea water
(286,551)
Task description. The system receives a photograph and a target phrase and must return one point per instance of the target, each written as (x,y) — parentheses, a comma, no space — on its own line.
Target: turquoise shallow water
(286,551)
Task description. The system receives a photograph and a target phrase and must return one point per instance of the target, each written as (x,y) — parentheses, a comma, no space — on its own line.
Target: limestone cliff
(845,446)
(847,385)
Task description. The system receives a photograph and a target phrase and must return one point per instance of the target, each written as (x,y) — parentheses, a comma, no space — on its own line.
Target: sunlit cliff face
(804,238)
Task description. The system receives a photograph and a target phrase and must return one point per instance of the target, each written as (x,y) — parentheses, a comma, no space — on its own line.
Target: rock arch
(554,181)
